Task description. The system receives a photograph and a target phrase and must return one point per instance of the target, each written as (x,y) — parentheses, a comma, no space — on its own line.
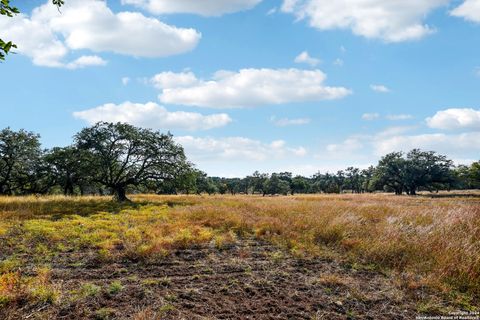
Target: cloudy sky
(273,85)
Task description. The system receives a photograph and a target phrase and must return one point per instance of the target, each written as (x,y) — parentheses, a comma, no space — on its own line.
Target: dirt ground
(246,280)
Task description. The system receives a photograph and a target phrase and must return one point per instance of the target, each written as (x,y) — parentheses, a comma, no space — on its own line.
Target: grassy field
(188,257)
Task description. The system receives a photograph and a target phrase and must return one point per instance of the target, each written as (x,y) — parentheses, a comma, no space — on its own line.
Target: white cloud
(455,118)
(391,21)
(344,149)
(151,115)
(453,145)
(236,149)
(48,36)
(379,88)
(246,88)
(204,7)
(86,61)
(370,116)
(289,122)
(126,81)
(395,117)
(394,131)
(304,57)
(174,80)
(469,10)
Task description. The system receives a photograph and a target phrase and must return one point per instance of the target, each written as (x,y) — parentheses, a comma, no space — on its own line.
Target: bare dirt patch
(249,279)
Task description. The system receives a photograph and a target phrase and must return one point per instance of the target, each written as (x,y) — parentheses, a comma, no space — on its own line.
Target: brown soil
(247,280)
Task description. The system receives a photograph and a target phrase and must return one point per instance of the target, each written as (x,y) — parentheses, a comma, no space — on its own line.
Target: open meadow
(203,257)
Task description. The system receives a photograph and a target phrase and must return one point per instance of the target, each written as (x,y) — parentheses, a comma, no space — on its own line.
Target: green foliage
(275,185)
(20,162)
(6,10)
(121,155)
(68,168)
(419,169)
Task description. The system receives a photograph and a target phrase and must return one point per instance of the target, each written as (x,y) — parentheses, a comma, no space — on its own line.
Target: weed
(115,287)
(89,290)
(104,314)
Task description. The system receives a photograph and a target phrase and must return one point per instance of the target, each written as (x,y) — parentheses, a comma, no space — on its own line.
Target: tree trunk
(120,194)
(68,190)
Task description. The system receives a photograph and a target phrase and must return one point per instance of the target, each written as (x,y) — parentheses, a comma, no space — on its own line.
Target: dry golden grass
(422,241)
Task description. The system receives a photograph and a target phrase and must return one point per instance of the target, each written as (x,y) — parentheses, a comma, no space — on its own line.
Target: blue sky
(297,85)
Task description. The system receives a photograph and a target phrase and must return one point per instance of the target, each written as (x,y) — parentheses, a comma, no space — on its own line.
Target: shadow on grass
(24,208)
(58,208)
(451,195)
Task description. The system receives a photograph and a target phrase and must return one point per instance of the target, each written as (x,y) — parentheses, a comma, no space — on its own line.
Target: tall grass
(421,241)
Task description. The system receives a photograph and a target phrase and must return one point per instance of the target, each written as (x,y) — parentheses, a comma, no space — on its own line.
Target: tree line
(118,158)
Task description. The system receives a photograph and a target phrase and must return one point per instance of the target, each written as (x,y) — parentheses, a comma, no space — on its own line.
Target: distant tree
(353,179)
(258,182)
(246,185)
(299,185)
(68,167)
(20,161)
(275,185)
(328,183)
(367,179)
(462,175)
(419,169)
(121,155)
(389,173)
(425,169)
(475,174)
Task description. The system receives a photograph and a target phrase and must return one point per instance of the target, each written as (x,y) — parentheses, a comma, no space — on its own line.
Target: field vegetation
(427,250)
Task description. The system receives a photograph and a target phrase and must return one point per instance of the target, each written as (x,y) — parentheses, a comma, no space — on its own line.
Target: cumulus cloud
(246,88)
(453,145)
(236,149)
(86,61)
(204,7)
(174,80)
(391,21)
(469,10)
(48,36)
(394,131)
(455,118)
(151,115)
(284,122)
(344,149)
(305,57)
(379,88)
(370,116)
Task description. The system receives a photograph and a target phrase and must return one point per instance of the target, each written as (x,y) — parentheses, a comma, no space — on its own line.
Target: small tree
(424,169)
(68,167)
(389,172)
(475,174)
(121,155)
(275,185)
(20,157)
(299,185)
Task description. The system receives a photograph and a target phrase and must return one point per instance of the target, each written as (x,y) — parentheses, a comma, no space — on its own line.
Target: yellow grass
(419,240)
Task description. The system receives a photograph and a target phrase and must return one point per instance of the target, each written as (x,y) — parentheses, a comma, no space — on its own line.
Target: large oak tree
(121,155)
